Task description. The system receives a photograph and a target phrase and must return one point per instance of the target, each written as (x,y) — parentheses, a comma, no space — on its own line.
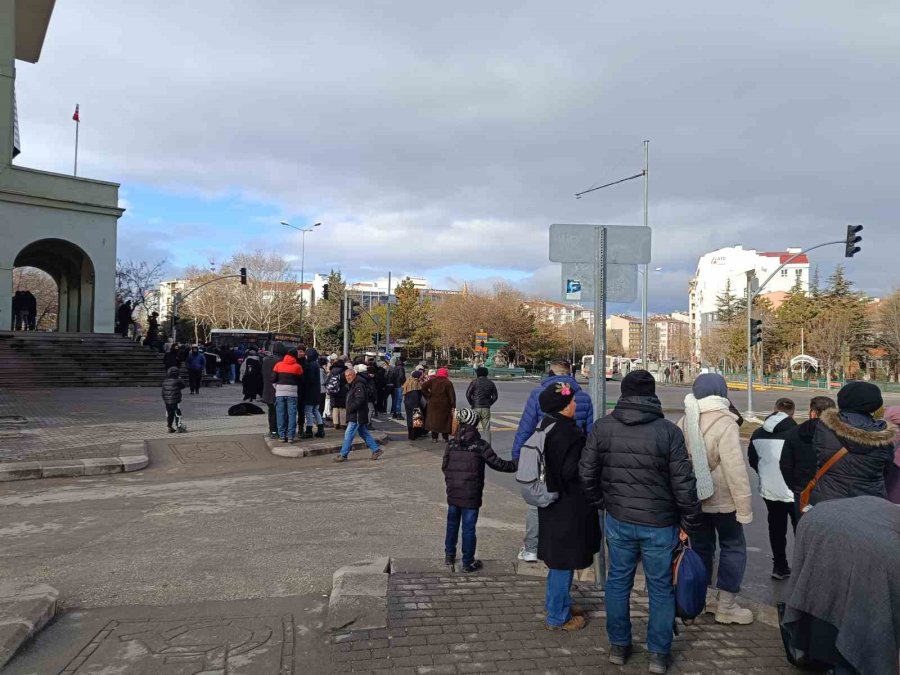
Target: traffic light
(325,291)
(244,276)
(851,248)
(354,309)
(755,331)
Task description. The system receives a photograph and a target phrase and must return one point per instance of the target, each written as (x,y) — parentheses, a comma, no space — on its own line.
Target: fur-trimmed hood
(873,437)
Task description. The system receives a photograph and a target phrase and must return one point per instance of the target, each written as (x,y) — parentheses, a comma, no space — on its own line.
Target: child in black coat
(171,394)
(463,468)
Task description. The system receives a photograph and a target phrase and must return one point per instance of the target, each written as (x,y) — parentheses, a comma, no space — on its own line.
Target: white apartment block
(717,268)
(560,314)
(167,291)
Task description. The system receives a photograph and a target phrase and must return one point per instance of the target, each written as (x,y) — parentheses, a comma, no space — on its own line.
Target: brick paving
(455,624)
(79,423)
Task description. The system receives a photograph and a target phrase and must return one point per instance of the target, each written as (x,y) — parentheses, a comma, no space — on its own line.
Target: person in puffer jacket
(171,395)
(766,445)
(463,467)
(287,377)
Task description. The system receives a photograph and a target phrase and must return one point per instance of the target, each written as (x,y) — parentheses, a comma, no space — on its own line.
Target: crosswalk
(500,421)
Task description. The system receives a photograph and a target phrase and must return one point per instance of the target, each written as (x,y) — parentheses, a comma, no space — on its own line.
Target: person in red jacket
(286,377)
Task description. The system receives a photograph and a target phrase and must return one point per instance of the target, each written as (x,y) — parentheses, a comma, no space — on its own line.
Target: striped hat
(466,416)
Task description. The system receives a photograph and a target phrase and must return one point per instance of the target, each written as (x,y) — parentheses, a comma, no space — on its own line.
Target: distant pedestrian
(441,397)
(337,388)
(196,364)
(560,371)
(251,376)
(268,391)
(171,395)
(396,377)
(569,531)
(170,358)
(869,444)
(287,376)
(413,402)
(680,375)
(667,373)
(481,395)
(358,413)
(892,479)
(798,463)
(123,318)
(463,466)
(152,330)
(636,464)
(766,445)
(723,486)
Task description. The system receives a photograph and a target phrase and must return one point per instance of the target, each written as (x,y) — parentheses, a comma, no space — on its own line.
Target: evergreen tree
(728,306)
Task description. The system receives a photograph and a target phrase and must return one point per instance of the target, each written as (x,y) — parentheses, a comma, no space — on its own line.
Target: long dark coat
(441,397)
(569,529)
(252,379)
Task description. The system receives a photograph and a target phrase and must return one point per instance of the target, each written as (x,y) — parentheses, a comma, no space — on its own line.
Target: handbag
(418,419)
(826,467)
(689,581)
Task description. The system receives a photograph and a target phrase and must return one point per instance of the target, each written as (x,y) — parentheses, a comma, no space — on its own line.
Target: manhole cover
(203,453)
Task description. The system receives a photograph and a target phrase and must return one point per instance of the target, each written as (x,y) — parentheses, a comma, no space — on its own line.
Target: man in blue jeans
(357,414)
(636,464)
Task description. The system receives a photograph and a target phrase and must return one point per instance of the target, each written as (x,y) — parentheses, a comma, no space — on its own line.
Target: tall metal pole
(77,125)
(387,323)
(645,292)
(302,270)
(750,275)
(346,321)
(598,371)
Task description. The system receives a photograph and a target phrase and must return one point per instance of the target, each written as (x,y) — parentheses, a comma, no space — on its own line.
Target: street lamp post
(302,231)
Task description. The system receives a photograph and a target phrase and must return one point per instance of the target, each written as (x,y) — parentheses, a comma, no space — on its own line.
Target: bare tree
(888,327)
(45,292)
(139,282)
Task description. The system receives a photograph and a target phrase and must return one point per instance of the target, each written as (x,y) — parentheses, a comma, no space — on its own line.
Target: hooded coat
(532,415)
(268,365)
(568,529)
(312,376)
(636,464)
(358,400)
(252,376)
(870,447)
(764,453)
(441,397)
(339,400)
(171,387)
(463,467)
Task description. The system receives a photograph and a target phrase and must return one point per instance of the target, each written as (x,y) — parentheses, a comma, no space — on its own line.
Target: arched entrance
(73,272)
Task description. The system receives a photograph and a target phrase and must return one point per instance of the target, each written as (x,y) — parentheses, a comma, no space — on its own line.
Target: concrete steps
(47,360)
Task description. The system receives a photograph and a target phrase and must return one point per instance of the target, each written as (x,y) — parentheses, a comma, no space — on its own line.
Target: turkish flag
(76,116)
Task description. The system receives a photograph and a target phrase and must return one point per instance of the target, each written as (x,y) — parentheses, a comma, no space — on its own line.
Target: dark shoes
(321,431)
(659,663)
(171,430)
(473,566)
(340,458)
(308,433)
(449,559)
(619,655)
(781,572)
(378,453)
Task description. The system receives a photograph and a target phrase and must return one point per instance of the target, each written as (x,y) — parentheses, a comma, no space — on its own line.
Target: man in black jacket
(798,456)
(358,413)
(636,464)
(481,395)
(171,394)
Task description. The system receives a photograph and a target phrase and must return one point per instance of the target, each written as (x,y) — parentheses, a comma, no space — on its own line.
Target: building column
(7,80)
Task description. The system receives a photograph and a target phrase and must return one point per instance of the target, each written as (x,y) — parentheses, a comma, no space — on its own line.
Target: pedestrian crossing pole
(598,372)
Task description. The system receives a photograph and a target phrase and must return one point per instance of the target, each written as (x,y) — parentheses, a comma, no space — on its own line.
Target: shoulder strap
(826,467)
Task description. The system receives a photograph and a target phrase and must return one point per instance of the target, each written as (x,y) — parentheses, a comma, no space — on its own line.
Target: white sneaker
(527,556)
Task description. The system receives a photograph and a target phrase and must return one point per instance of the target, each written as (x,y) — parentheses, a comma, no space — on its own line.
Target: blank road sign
(621,281)
(624,244)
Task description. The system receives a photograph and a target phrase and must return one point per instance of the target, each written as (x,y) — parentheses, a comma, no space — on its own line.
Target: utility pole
(645,291)
(345,319)
(387,323)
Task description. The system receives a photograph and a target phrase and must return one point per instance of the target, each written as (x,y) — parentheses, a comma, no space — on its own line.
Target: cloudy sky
(442,139)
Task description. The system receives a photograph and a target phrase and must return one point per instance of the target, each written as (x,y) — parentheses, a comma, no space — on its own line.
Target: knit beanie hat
(638,383)
(556,397)
(466,416)
(710,384)
(860,397)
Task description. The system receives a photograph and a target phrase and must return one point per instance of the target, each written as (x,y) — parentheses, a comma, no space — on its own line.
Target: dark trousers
(381,401)
(779,514)
(273,418)
(434,436)
(171,410)
(468,518)
(195,377)
(732,549)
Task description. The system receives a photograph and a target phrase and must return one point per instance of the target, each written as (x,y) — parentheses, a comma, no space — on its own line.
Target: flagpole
(77,124)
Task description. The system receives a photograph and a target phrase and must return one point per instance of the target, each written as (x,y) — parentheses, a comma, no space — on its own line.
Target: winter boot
(308,433)
(728,611)
(321,432)
(712,600)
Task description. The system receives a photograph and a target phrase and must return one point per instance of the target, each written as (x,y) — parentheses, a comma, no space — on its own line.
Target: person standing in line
(635,464)
(171,395)
(560,371)
(287,376)
(324,367)
(482,395)
(397,378)
(358,413)
(764,452)
(723,487)
(337,388)
(310,390)
(268,391)
(869,443)
(798,462)
(569,530)
(412,400)
(196,365)
(463,466)
(441,397)
(252,376)
(892,479)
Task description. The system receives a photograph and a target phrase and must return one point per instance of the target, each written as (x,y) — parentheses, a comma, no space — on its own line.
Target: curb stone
(24,611)
(358,598)
(132,457)
(329,446)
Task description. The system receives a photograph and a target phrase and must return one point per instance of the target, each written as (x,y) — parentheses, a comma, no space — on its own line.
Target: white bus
(617,367)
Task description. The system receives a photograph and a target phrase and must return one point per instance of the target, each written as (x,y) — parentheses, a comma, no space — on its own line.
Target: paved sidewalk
(448,624)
